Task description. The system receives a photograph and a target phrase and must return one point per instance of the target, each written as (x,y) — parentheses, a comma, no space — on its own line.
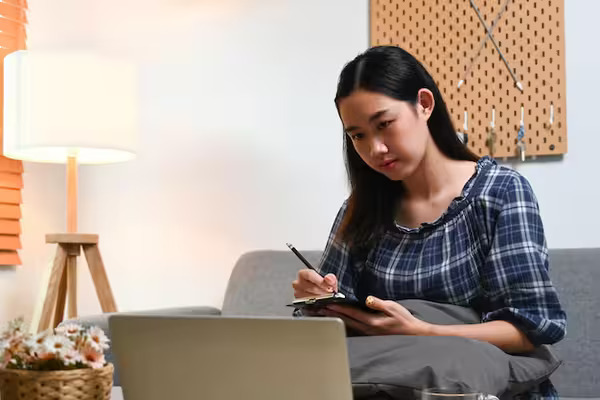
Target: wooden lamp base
(63,277)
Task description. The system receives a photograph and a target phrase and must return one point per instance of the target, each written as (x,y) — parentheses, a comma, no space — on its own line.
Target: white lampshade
(58,105)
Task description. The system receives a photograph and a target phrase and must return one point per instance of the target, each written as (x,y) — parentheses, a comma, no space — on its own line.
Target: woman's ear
(425,103)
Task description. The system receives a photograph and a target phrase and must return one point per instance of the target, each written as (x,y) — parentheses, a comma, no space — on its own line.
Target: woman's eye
(357,136)
(384,124)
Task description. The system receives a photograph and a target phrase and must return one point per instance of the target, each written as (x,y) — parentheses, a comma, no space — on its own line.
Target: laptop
(230,358)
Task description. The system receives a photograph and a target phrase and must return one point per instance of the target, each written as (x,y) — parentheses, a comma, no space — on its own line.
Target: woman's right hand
(309,284)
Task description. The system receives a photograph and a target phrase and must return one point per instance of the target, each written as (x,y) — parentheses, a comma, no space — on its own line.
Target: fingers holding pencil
(310,283)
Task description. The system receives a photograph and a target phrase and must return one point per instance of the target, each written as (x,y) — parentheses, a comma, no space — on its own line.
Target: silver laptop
(230,358)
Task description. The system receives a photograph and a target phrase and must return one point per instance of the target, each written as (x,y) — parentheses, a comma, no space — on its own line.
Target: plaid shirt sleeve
(337,259)
(515,273)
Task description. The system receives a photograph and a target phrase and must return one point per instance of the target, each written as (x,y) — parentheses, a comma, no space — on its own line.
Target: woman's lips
(388,164)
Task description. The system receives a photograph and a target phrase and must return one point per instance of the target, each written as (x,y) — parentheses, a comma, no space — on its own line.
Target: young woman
(427,219)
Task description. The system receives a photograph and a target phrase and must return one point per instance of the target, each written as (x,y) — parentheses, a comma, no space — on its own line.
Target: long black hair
(393,72)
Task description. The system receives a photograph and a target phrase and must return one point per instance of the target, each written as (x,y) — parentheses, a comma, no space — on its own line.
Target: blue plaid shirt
(487,251)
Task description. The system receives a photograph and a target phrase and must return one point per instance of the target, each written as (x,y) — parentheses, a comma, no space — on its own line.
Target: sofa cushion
(576,275)
(398,365)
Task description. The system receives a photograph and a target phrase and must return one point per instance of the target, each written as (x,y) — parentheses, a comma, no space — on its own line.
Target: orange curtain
(13,22)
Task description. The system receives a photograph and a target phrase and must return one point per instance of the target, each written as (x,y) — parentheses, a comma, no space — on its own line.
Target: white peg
(493,123)
(465,126)
(551,113)
(522,116)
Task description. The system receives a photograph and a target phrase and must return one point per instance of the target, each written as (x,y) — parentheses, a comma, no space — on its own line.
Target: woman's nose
(378,147)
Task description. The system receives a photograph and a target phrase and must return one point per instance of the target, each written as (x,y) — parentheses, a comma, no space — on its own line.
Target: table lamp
(73,108)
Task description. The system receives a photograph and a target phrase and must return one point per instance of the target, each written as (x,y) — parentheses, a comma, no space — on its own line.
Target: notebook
(230,358)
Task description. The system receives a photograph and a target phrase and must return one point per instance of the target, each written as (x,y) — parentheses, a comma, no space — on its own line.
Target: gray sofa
(260,284)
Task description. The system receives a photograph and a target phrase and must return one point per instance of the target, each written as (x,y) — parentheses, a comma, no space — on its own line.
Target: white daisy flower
(71,357)
(35,343)
(98,339)
(14,327)
(38,347)
(40,337)
(69,329)
(56,344)
(93,357)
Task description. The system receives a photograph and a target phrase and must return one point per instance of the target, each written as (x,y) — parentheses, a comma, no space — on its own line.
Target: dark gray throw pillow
(393,367)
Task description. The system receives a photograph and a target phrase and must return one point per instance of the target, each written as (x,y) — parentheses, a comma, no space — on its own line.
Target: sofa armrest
(101,321)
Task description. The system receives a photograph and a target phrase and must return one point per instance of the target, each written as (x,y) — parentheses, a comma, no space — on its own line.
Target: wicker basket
(76,384)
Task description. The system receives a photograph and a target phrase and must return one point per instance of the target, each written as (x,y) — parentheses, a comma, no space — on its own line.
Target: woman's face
(391,136)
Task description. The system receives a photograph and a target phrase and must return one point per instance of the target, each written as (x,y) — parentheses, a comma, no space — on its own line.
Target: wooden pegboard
(446,34)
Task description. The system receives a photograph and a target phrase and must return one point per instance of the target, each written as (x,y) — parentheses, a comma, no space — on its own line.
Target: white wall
(241,146)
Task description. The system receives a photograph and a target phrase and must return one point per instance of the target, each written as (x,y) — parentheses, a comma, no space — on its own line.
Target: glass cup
(453,394)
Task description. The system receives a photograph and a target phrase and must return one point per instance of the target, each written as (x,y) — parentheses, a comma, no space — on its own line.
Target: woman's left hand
(393,319)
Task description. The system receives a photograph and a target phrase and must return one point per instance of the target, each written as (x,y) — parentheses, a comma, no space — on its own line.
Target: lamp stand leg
(103,290)
(59,309)
(72,285)
(63,278)
(56,277)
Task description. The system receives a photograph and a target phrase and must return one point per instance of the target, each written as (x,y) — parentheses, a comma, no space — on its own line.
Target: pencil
(305,261)
(300,256)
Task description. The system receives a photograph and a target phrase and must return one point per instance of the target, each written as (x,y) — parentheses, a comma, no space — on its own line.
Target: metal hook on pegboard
(463,136)
(491,139)
(521,135)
